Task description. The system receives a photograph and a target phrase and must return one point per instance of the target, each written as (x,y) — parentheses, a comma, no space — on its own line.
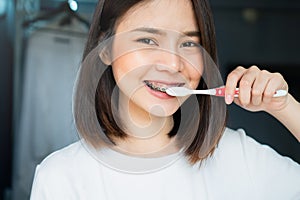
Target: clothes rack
(64,8)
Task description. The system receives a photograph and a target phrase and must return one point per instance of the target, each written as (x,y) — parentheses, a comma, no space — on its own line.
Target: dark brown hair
(92,103)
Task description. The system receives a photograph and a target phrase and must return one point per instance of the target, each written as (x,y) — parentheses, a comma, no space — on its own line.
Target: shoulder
(62,171)
(69,153)
(65,162)
(231,136)
(263,164)
(236,148)
(234,139)
(232,148)
(234,135)
(238,142)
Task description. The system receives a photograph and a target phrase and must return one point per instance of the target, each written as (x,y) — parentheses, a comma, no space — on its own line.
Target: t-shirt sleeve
(38,190)
(50,182)
(274,176)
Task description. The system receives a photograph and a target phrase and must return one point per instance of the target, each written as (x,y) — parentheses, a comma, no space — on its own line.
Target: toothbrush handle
(280,93)
(221,92)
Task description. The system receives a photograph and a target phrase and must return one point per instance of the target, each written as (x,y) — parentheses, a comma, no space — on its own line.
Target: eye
(147,41)
(189,44)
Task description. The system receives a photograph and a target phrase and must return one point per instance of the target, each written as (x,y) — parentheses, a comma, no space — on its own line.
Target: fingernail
(228,99)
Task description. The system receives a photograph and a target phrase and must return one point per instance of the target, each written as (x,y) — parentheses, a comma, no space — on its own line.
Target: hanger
(63,8)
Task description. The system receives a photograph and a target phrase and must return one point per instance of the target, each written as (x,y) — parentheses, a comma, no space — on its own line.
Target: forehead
(176,15)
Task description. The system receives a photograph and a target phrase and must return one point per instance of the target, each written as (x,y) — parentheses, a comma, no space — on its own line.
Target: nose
(169,61)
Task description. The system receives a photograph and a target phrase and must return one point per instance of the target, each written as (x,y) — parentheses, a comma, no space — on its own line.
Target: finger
(232,82)
(275,83)
(259,86)
(246,84)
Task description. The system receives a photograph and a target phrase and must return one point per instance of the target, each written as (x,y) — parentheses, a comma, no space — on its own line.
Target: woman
(138,142)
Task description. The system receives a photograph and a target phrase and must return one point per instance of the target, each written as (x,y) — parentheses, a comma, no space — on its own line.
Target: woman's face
(156,46)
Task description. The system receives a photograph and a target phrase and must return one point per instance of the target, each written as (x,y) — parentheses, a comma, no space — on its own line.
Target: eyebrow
(193,33)
(149,30)
(160,32)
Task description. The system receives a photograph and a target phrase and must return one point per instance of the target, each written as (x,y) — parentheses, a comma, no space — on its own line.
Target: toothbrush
(182,91)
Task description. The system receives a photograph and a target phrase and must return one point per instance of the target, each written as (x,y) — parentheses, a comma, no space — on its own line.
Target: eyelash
(147,41)
(190,44)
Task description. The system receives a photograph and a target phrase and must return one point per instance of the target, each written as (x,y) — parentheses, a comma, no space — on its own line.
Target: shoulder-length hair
(92,102)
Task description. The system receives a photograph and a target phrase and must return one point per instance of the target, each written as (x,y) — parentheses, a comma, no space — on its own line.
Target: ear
(105,56)
(105,50)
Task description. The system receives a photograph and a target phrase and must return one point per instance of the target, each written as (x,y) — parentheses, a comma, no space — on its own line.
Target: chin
(162,110)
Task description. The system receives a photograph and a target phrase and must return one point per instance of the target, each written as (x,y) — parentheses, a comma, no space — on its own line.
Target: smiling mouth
(161,87)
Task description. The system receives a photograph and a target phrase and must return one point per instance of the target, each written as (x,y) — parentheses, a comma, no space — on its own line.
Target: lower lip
(161,95)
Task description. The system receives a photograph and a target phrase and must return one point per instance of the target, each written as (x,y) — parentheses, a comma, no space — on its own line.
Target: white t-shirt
(240,169)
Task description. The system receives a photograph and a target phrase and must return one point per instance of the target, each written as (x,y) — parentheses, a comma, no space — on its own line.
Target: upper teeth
(160,88)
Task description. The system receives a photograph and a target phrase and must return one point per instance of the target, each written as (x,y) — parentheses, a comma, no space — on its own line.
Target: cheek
(193,75)
(193,67)
(125,65)
(119,69)
(195,79)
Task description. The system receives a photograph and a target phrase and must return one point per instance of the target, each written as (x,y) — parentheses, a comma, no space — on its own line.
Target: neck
(146,133)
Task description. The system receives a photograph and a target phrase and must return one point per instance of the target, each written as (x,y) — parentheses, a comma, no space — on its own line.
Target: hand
(256,89)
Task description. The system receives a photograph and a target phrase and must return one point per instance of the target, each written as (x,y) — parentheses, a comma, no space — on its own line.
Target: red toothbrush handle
(220,92)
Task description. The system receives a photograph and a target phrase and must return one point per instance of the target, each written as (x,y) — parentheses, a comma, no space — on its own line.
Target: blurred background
(41,46)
